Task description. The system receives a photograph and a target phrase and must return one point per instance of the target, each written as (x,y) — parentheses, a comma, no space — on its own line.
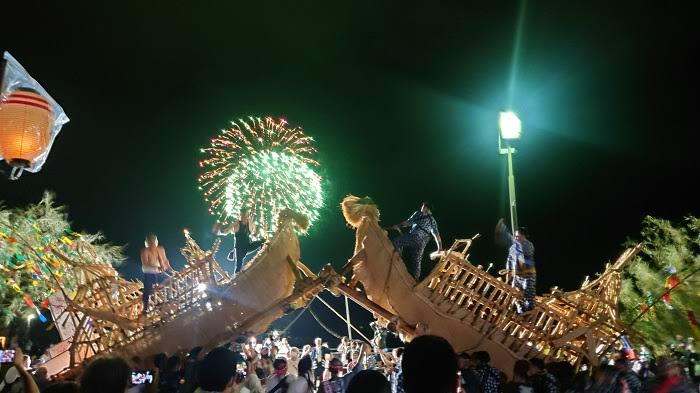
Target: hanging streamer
(670,283)
(693,323)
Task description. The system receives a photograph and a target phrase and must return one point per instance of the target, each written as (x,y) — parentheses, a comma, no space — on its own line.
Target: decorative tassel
(671,282)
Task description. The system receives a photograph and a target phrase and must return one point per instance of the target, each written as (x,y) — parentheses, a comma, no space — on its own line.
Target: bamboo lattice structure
(574,326)
(199,305)
(476,311)
(202,305)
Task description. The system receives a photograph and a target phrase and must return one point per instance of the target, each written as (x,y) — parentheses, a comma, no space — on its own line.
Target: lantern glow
(25,123)
(30,119)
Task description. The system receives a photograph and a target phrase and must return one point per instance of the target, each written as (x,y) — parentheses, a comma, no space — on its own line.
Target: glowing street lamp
(510,125)
(510,128)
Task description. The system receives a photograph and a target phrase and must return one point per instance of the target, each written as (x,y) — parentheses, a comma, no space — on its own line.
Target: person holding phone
(17,376)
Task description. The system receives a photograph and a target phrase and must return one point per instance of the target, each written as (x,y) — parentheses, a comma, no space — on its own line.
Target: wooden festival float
(474,310)
(201,305)
(460,301)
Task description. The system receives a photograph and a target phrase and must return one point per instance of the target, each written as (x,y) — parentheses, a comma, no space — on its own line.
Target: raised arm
(366,350)
(220,230)
(410,220)
(438,240)
(27,380)
(503,235)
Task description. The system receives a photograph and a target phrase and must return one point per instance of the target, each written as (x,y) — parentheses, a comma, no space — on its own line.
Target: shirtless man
(153,264)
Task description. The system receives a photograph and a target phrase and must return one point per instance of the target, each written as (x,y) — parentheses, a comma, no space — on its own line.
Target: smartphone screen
(141,377)
(7,356)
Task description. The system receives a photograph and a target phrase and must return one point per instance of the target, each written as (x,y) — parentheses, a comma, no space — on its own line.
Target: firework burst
(263,166)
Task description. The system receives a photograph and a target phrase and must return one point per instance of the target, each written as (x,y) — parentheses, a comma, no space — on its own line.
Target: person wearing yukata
(520,264)
(423,227)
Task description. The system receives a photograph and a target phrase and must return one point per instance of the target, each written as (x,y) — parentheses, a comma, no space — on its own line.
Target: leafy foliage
(40,254)
(667,247)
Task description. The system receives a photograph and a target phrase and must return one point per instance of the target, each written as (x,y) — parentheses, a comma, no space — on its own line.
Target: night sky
(403,101)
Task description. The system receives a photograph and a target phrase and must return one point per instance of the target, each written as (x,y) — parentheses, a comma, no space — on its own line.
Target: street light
(511,128)
(510,125)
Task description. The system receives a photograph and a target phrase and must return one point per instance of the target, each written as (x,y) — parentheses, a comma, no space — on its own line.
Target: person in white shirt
(293,361)
(283,348)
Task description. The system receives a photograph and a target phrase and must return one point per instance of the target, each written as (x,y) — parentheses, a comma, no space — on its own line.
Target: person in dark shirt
(318,356)
(489,377)
(542,380)
(368,381)
(627,380)
(423,227)
(191,370)
(40,377)
(170,378)
(244,247)
(520,382)
(429,364)
(469,379)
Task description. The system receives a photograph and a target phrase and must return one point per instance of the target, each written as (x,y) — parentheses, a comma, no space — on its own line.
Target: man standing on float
(423,226)
(243,248)
(154,264)
(521,264)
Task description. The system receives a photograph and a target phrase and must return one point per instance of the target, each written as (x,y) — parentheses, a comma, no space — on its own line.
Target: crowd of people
(426,364)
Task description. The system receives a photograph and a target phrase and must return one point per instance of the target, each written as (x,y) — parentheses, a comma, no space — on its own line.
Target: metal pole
(347,317)
(511,191)
(341,318)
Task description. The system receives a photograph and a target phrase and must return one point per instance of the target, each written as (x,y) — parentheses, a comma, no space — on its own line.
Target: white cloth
(300,385)
(283,351)
(150,269)
(12,375)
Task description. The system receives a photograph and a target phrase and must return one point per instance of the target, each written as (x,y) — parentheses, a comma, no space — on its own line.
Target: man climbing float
(243,249)
(520,263)
(423,225)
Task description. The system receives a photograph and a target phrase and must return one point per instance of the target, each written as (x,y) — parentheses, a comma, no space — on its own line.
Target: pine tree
(40,254)
(664,272)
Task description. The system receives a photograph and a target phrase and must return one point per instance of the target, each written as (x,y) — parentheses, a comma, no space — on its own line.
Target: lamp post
(510,128)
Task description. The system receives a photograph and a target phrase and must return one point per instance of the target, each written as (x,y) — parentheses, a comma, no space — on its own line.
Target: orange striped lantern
(26,119)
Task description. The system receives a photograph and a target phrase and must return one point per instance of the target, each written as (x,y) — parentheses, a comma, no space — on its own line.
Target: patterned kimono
(423,227)
(521,263)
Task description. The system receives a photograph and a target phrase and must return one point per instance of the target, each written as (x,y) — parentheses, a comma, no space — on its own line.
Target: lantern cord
(16,172)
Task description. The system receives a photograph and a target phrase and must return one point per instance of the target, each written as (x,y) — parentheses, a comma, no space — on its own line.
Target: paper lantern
(25,125)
